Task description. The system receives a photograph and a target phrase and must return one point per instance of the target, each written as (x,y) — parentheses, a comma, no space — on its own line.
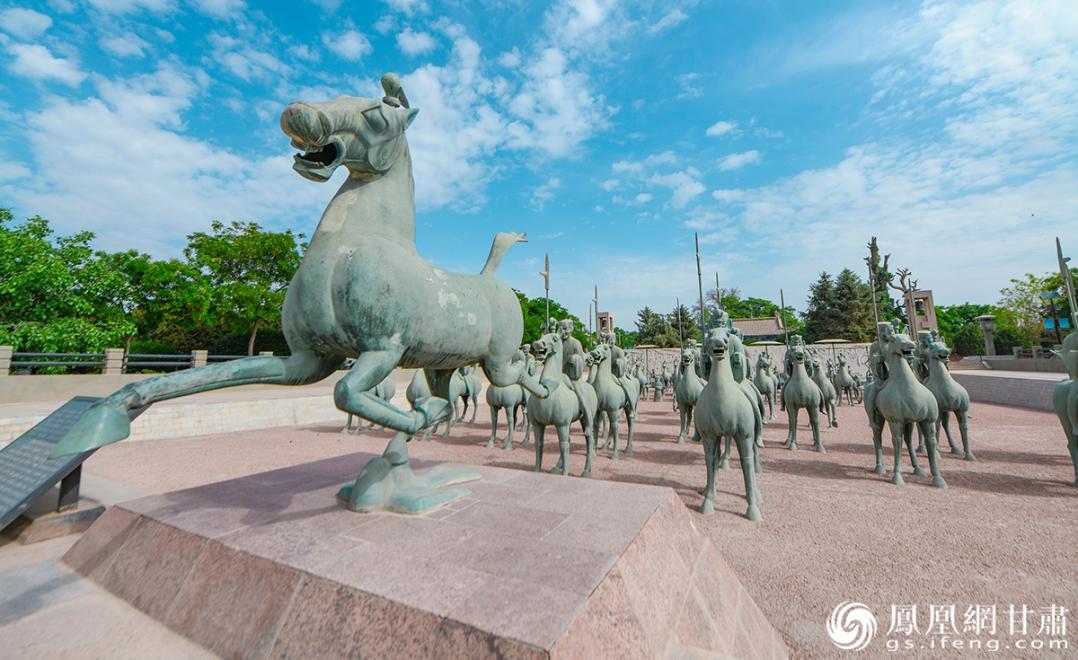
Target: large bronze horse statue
(363,291)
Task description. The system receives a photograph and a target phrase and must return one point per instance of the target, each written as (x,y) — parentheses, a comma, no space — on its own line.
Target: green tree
(821,318)
(248,270)
(652,327)
(852,308)
(687,329)
(1023,298)
(534,311)
(55,292)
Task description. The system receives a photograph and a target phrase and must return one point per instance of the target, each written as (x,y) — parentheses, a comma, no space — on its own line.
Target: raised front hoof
(760,443)
(919,472)
(100,425)
(707,507)
(897,479)
(753,514)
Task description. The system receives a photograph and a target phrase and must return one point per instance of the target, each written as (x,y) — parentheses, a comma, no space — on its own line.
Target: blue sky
(785,133)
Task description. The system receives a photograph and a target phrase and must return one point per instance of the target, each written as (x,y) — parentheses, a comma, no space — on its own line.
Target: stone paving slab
(529,565)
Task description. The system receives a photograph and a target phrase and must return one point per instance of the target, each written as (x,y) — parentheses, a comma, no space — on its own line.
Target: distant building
(605,321)
(761,327)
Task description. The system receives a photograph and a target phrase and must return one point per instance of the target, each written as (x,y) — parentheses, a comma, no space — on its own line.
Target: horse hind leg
(945,423)
(108,420)
(928,428)
(630,424)
(877,443)
(538,430)
(612,418)
(494,425)
(724,458)
(908,439)
(589,442)
(563,445)
(511,422)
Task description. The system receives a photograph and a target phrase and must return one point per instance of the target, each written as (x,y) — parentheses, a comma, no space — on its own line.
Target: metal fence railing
(32,360)
(112,361)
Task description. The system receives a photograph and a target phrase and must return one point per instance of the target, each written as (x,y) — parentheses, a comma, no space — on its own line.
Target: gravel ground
(1005,532)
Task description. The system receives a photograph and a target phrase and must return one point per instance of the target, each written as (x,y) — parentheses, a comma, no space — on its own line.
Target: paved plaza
(1002,534)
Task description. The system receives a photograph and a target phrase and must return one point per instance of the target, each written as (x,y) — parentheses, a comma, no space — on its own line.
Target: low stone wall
(657,358)
(1025,392)
(239,409)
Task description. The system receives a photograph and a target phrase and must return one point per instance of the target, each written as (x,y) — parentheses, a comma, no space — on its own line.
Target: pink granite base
(529,565)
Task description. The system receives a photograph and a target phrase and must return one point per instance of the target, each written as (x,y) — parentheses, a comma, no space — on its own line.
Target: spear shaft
(680,335)
(700,283)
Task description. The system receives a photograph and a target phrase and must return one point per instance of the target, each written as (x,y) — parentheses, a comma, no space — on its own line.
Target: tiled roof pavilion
(762,327)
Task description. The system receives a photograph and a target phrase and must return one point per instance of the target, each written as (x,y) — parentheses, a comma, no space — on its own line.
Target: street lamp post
(988,327)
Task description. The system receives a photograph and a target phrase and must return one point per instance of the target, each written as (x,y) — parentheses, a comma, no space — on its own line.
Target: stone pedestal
(529,565)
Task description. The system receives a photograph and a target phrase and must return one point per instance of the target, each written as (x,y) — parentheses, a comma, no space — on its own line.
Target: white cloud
(551,118)
(385,24)
(24,23)
(688,85)
(303,52)
(126,6)
(415,43)
(684,185)
(240,58)
(10,170)
(610,184)
(408,7)
(721,128)
(125,45)
(220,8)
(990,188)
(510,59)
(671,19)
(545,192)
(739,160)
(172,184)
(37,63)
(643,198)
(349,45)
